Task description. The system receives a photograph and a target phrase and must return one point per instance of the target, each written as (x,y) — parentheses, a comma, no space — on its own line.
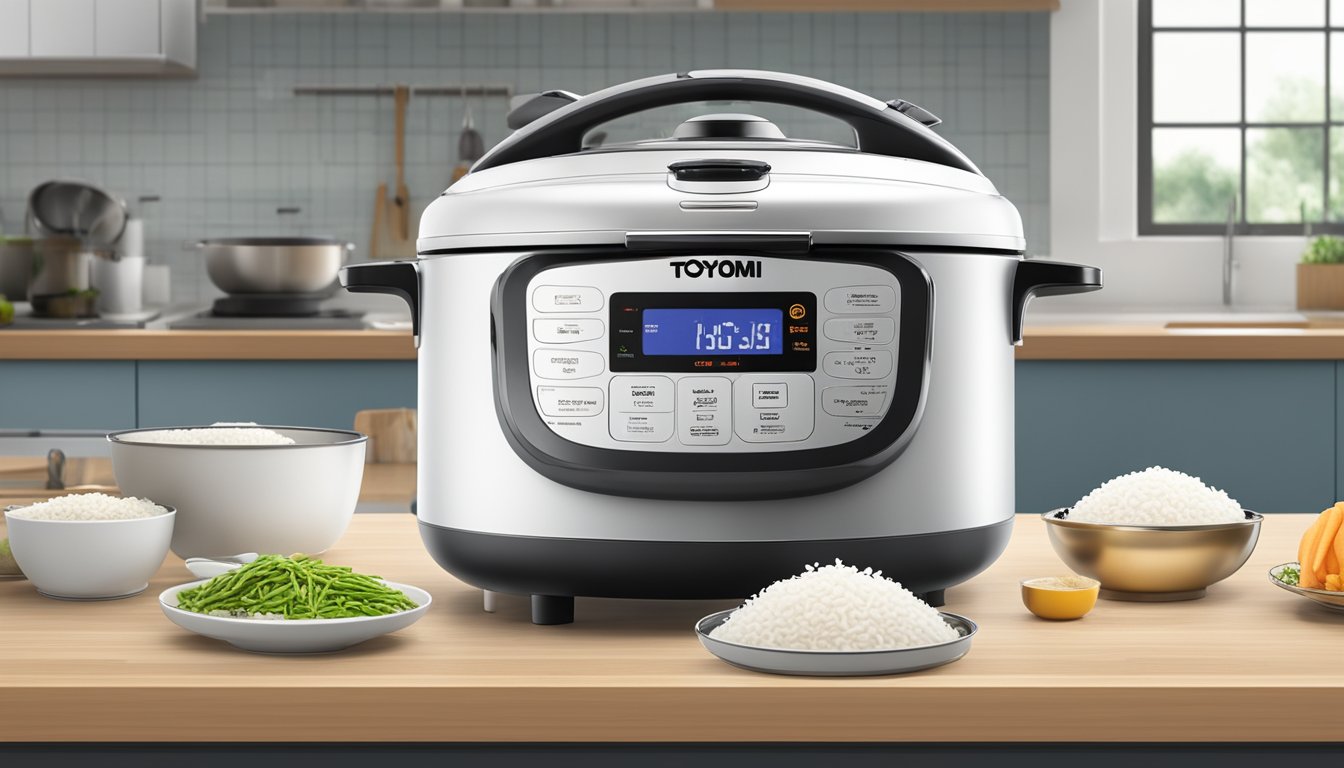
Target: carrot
(1329,530)
(1331,560)
(1306,550)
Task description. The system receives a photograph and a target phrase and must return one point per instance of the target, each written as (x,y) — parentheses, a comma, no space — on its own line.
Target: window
(1241,100)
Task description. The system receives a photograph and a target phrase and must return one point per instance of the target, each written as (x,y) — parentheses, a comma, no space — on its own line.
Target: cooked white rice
(232,433)
(89,506)
(835,608)
(1156,496)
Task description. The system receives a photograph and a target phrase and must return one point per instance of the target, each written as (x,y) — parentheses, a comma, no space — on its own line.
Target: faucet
(1229,255)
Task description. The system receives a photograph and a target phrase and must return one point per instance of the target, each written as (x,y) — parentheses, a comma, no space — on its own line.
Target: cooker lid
(551,183)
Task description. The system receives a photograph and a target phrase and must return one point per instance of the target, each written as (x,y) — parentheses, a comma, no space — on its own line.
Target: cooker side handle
(398,278)
(1048,278)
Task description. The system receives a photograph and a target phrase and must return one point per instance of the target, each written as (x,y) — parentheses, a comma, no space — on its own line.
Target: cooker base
(555,570)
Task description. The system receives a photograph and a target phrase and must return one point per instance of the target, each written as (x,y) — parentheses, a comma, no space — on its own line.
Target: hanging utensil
(391,238)
(470,145)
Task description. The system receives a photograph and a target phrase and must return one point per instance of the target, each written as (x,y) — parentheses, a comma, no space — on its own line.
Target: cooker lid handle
(397,278)
(1048,278)
(881,128)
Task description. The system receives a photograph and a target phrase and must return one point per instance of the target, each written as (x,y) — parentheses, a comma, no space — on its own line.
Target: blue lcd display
(713,331)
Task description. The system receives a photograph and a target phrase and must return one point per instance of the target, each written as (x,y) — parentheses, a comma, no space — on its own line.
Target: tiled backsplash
(223,152)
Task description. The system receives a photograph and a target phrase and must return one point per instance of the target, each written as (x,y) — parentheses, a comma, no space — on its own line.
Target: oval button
(858,299)
(858,365)
(570,401)
(566,298)
(557,331)
(861,330)
(566,364)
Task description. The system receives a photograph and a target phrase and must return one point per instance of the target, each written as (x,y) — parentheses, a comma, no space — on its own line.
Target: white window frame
(1094,177)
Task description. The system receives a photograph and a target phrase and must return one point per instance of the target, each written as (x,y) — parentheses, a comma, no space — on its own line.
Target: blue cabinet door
(316,393)
(1263,431)
(67,394)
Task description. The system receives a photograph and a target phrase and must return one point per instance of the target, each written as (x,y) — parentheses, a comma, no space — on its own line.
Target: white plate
(783,661)
(1322,597)
(293,635)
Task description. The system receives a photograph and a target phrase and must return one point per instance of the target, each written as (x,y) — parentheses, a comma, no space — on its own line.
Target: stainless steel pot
(251,265)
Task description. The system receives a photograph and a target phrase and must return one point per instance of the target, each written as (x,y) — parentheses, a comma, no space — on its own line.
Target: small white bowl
(293,635)
(277,499)
(90,559)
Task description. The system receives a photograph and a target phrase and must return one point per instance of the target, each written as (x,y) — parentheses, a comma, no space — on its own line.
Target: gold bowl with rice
(1154,536)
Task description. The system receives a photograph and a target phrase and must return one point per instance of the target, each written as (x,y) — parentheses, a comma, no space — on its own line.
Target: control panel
(713,354)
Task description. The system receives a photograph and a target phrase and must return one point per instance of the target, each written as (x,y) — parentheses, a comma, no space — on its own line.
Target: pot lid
(901,185)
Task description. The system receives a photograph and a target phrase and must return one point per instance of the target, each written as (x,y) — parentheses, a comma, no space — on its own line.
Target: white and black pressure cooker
(685,367)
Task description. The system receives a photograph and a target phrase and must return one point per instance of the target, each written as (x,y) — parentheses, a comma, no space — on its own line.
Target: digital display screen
(713,331)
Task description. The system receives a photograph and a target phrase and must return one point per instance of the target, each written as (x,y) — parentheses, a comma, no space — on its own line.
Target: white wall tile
(224,150)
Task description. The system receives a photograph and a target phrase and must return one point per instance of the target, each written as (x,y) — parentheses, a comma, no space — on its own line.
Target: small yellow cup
(1060,598)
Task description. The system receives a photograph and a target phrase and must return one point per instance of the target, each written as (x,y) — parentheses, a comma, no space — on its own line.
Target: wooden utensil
(391,238)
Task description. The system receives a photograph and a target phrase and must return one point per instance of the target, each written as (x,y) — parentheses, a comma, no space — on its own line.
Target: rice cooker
(685,367)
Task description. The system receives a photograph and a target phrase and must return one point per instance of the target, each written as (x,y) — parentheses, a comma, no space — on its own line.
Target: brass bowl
(1152,563)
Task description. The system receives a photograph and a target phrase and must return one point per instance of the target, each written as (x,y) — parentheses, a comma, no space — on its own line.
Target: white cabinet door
(127,28)
(62,27)
(13,28)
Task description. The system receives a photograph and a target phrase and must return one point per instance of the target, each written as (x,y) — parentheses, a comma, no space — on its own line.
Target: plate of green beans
(297,604)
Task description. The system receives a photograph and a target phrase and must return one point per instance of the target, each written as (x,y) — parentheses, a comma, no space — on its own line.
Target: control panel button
(556,331)
(642,394)
(875,364)
(788,423)
(566,364)
(860,330)
(641,427)
(770,395)
(854,401)
(860,299)
(566,298)
(704,410)
(570,401)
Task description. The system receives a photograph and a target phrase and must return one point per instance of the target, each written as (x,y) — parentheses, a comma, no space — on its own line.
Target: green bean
(297,587)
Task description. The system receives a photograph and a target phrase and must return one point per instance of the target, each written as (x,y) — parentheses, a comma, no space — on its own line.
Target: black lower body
(556,570)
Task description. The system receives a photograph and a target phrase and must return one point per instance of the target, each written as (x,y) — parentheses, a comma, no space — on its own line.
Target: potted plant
(1320,275)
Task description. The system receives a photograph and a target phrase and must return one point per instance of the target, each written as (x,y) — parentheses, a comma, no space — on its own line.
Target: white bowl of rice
(1154,535)
(243,487)
(90,546)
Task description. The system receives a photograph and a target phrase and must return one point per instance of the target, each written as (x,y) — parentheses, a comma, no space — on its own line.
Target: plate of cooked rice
(836,621)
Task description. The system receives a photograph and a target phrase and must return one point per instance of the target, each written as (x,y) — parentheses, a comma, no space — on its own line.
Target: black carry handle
(880,128)
(1048,278)
(398,278)
(719,170)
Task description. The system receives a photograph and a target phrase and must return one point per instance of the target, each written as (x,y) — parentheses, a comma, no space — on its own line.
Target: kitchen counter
(1082,338)
(1249,663)
(146,344)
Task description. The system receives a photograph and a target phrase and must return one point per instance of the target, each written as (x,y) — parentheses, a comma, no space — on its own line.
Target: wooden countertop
(1282,341)
(1100,341)
(1248,663)
(141,344)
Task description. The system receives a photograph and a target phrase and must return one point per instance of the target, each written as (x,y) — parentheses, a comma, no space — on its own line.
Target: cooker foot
(488,601)
(552,609)
(936,598)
